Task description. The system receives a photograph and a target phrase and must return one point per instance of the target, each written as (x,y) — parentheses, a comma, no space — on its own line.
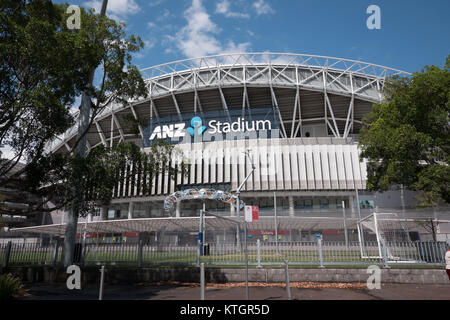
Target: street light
(218,195)
(238,191)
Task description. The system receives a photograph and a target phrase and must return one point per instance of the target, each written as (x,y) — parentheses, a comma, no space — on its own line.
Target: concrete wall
(222,275)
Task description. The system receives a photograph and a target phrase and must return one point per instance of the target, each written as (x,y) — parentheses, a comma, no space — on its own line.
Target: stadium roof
(214,223)
(323,89)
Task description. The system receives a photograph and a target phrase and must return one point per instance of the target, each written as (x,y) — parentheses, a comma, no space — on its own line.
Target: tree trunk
(70,235)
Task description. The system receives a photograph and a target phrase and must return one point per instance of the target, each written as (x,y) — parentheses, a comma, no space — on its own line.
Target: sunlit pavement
(164,292)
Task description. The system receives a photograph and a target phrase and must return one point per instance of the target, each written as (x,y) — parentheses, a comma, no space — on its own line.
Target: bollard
(319,247)
(202,281)
(7,254)
(140,245)
(102,279)
(258,246)
(288,285)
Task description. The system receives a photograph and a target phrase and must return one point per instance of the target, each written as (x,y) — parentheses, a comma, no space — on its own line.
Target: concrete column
(291,206)
(130,210)
(103,213)
(178,210)
(351,203)
(232,210)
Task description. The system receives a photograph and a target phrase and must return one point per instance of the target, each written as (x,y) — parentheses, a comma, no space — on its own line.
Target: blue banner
(258,123)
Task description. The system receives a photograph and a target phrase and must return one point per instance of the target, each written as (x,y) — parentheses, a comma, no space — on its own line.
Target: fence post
(258,247)
(288,285)
(7,254)
(55,253)
(384,253)
(319,248)
(140,245)
(102,280)
(202,281)
(198,253)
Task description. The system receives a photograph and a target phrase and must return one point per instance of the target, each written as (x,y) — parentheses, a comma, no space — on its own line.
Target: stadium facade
(299,115)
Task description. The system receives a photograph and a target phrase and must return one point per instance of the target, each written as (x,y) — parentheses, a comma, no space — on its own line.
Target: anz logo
(177,130)
(196,124)
(169,131)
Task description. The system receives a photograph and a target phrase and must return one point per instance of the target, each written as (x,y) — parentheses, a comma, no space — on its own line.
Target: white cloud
(151,24)
(164,15)
(148,45)
(155,3)
(223,7)
(76,105)
(116,9)
(236,48)
(7,153)
(198,37)
(262,7)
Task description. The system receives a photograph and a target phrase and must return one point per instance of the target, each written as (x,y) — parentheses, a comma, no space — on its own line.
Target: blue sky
(413,33)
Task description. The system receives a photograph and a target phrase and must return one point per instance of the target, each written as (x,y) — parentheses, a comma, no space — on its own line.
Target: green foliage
(89,182)
(406,139)
(10,287)
(44,66)
(132,124)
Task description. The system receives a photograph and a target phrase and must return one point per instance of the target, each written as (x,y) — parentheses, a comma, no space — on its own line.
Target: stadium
(297,116)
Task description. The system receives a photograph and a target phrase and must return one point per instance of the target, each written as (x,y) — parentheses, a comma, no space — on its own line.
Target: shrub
(10,286)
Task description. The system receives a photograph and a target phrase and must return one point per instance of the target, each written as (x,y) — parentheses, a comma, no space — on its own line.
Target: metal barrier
(259,253)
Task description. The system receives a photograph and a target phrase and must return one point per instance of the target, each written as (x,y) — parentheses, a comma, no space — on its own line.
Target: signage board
(251,213)
(222,125)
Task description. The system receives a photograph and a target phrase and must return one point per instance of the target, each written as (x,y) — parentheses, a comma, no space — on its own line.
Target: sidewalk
(237,292)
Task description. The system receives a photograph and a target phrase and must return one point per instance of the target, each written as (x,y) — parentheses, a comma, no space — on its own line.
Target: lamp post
(238,191)
(203,212)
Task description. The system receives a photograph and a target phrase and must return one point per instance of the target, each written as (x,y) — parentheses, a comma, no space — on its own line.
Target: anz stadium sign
(258,123)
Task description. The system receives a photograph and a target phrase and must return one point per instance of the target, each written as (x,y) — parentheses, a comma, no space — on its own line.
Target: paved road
(165,292)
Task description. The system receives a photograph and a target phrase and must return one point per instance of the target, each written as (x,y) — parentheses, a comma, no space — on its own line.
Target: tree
(44,66)
(406,138)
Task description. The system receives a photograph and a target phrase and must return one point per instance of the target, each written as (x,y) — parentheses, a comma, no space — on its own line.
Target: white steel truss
(327,75)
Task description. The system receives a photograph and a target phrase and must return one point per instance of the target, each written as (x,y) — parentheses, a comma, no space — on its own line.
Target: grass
(10,287)
(305,258)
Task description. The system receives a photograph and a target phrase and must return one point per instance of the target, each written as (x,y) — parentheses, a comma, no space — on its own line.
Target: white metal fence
(266,253)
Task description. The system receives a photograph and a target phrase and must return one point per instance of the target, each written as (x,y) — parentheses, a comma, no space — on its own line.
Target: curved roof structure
(307,89)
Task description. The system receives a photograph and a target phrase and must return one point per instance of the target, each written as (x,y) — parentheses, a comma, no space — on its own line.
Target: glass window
(111,214)
(332,203)
(366,204)
(303,204)
(316,203)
